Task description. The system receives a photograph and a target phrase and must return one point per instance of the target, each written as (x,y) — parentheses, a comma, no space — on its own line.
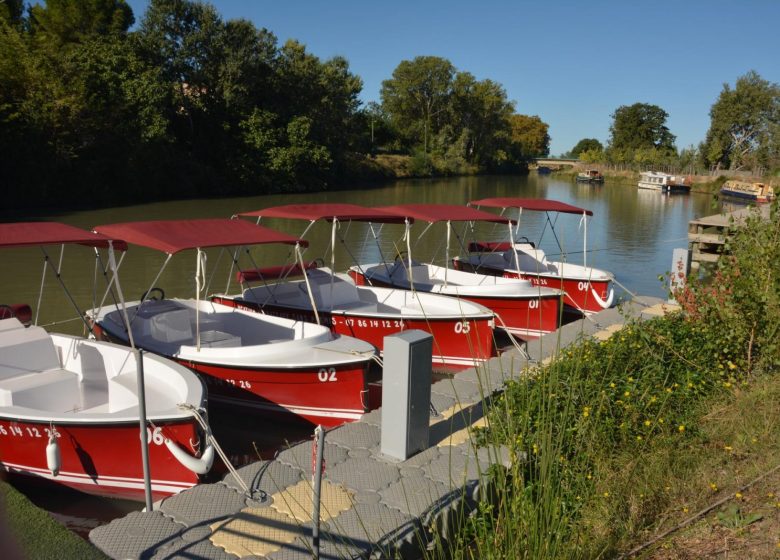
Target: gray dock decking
(371,506)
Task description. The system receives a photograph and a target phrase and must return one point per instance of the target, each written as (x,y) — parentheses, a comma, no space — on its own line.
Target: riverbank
(707,184)
(662,437)
(30,532)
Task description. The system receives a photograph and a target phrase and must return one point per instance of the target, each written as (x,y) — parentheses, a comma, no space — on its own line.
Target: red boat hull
(329,395)
(577,292)
(457,344)
(525,317)
(102,459)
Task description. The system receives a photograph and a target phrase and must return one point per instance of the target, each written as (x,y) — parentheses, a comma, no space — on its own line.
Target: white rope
(514,342)
(200,277)
(213,441)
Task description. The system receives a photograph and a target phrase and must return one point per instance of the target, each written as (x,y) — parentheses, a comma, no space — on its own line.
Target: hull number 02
(327,374)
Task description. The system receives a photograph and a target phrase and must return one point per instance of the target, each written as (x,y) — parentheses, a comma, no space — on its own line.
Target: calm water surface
(632,233)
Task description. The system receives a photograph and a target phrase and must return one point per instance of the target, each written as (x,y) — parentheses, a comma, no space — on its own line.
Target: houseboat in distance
(657,181)
(757,192)
(590,176)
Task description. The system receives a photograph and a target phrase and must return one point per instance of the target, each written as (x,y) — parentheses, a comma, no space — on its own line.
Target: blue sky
(571,63)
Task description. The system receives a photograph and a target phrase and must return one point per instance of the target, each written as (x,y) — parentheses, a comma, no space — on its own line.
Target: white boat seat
(56,390)
(122,391)
(171,326)
(25,350)
(420,274)
(219,339)
(337,295)
(530,258)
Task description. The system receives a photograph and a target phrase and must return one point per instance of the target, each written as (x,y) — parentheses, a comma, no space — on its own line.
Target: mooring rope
(213,441)
(523,351)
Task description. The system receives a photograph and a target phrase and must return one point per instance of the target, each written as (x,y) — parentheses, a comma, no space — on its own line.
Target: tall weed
(598,435)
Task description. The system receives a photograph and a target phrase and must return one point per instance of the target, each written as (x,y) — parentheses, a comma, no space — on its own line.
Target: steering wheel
(155,294)
(6,311)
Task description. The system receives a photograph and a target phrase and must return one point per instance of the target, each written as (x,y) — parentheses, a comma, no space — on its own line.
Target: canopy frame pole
(115,279)
(514,248)
(585,240)
(109,281)
(43,282)
(299,256)
(233,264)
(381,254)
(199,276)
(447,252)
(407,235)
(65,289)
(156,278)
(333,229)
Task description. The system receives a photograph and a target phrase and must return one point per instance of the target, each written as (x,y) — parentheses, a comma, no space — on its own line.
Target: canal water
(632,234)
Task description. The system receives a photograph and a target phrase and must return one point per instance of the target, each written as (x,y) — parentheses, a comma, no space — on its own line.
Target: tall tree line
(189,104)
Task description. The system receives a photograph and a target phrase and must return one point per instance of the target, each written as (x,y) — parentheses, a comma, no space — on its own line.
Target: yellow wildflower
(681,428)
(738,496)
(647,422)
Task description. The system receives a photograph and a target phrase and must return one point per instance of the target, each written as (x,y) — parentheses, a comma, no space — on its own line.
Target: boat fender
(601,302)
(198,466)
(53,457)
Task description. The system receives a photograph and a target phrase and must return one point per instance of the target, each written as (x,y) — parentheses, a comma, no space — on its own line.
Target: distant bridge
(556,162)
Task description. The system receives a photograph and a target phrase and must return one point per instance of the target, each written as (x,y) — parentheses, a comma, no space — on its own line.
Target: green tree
(12,11)
(61,22)
(639,127)
(417,97)
(744,124)
(586,144)
(529,136)
(478,121)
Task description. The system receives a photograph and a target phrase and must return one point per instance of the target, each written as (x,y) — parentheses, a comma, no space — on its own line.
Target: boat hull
(527,317)
(457,343)
(577,292)
(103,459)
(329,395)
(743,195)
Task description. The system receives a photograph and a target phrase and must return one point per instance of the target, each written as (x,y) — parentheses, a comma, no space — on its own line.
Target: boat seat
(171,326)
(339,294)
(531,258)
(219,339)
(56,390)
(420,274)
(122,391)
(25,350)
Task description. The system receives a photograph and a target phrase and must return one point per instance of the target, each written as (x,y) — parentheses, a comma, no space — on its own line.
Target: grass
(30,532)
(617,441)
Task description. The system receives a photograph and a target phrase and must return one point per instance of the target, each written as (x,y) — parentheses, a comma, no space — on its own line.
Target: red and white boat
(69,408)
(462,331)
(521,309)
(270,364)
(588,289)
